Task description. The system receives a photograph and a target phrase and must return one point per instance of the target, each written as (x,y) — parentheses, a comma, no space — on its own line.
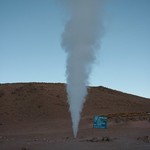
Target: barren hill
(42,101)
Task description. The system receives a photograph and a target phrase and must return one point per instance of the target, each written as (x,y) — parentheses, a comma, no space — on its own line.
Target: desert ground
(35,116)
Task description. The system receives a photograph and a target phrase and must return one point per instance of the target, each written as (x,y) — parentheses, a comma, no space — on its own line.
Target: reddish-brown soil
(35,116)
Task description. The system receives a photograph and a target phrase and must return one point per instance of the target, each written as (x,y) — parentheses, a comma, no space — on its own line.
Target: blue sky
(30,51)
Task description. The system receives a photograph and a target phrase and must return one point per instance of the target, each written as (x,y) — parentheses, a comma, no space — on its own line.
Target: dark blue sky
(30,51)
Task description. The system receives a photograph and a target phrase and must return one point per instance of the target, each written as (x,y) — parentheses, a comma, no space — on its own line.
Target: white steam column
(80,40)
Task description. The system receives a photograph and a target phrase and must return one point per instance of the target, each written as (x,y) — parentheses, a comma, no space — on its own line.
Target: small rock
(35,139)
(106,139)
(94,139)
(24,148)
(145,139)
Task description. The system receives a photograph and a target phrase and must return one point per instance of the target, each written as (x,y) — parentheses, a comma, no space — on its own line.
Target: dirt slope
(42,101)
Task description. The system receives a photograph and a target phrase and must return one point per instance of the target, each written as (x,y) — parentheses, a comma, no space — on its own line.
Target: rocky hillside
(41,101)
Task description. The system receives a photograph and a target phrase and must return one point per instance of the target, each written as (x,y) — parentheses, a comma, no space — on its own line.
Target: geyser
(80,40)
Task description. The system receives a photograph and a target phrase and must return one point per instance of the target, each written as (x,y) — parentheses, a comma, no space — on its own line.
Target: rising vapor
(80,40)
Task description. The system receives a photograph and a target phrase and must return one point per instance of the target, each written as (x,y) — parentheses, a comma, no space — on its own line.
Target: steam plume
(80,40)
